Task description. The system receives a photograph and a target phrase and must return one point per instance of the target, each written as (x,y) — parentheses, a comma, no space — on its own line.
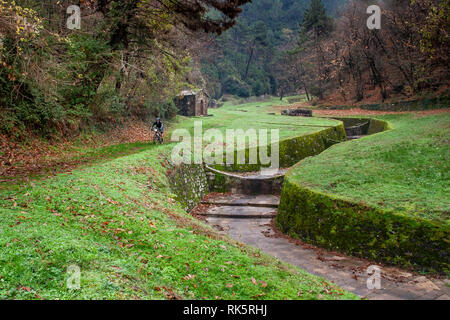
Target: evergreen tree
(316,19)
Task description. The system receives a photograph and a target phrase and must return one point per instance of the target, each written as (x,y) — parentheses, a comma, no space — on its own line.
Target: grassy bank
(118,222)
(405,169)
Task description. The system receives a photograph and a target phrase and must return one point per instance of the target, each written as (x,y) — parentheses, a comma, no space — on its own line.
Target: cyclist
(159,126)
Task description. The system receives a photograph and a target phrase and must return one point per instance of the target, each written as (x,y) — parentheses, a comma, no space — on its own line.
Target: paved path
(248,219)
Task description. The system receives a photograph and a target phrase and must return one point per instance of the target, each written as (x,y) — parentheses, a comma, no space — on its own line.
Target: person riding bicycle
(159,125)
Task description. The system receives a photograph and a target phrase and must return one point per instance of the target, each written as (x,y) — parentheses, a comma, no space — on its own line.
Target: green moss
(220,183)
(377,126)
(190,184)
(361,230)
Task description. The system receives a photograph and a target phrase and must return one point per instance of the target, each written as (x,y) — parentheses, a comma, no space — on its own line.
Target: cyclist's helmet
(158,119)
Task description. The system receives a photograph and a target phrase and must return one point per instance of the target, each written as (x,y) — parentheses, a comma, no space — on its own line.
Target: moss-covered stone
(224,182)
(219,182)
(293,150)
(190,184)
(377,126)
(373,125)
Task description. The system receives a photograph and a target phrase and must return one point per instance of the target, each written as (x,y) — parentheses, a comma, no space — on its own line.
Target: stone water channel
(247,215)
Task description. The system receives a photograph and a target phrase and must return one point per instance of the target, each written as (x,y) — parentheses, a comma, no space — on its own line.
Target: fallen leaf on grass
(27,289)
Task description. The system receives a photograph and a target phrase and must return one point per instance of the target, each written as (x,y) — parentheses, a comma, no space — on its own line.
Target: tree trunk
(249,61)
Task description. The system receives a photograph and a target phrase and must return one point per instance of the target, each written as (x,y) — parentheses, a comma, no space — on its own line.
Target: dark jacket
(158,125)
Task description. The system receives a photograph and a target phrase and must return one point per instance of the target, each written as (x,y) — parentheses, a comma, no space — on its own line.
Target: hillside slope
(118,221)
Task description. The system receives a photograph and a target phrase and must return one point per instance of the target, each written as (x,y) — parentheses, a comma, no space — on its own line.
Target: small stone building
(192,103)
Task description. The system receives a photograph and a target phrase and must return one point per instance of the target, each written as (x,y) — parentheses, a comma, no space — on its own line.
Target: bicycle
(158,136)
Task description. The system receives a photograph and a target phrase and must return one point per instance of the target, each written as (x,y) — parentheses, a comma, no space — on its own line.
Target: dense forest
(342,60)
(127,59)
(130,58)
(245,59)
(324,48)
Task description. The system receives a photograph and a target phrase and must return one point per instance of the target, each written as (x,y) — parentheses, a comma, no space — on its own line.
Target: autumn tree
(407,56)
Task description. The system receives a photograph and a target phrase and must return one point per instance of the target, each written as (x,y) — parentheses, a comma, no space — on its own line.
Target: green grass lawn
(256,115)
(406,169)
(118,222)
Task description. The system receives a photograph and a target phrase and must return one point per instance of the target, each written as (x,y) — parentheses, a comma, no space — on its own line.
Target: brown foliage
(38,156)
(406,57)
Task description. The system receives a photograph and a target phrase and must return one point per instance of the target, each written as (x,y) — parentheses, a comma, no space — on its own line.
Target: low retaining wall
(293,150)
(373,125)
(381,235)
(190,184)
(415,105)
(223,182)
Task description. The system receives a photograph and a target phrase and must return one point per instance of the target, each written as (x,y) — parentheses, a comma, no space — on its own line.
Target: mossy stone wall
(427,103)
(293,150)
(361,230)
(223,182)
(190,184)
(375,125)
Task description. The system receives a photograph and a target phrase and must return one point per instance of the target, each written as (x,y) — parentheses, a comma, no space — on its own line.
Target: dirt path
(249,219)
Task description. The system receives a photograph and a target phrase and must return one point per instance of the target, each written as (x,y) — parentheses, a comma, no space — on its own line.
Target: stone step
(236,200)
(238,212)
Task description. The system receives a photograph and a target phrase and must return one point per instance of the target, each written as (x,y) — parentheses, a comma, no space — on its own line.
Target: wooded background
(131,57)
